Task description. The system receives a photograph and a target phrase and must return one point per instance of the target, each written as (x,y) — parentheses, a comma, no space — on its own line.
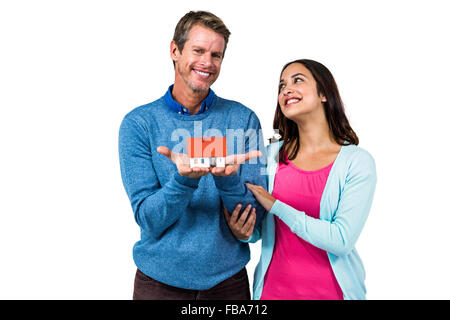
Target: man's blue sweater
(185,240)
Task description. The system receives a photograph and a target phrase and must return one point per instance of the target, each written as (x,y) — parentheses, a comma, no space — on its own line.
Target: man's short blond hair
(204,18)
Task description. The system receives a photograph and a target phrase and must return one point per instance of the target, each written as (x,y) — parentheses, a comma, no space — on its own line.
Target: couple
(196,222)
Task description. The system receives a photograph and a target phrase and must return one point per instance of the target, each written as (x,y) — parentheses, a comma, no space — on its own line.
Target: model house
(205,152)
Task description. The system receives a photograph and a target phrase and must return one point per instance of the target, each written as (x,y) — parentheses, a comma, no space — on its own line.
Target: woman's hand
(240,228)
(262,196)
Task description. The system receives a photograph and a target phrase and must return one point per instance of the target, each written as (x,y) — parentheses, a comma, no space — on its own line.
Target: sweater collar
(180,109)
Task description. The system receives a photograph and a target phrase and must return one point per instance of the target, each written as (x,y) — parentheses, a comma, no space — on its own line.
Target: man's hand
(239,227)
(182,162)
(233,162)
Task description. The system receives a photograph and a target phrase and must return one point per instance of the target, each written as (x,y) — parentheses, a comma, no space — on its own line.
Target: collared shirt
(179,108)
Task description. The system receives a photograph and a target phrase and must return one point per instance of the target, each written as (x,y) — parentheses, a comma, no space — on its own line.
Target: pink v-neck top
(299,270)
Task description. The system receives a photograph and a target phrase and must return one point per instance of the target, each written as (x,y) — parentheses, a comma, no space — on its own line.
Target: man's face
(198,66)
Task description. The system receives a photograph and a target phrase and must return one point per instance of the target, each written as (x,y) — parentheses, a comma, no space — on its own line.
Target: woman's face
(298,93)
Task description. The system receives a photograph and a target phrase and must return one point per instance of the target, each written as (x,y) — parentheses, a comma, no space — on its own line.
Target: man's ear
(174,52)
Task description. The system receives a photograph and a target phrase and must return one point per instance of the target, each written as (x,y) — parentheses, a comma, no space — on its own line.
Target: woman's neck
(315,135)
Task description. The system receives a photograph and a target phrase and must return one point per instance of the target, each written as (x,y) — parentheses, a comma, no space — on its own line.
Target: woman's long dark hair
(338,123)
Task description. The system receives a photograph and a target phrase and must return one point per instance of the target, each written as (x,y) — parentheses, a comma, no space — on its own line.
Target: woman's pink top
(298,270)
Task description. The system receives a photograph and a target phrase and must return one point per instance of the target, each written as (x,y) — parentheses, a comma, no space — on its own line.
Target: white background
(70,71)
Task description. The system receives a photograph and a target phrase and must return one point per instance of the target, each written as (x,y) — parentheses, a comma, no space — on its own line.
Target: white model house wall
(207,162)
(200,162)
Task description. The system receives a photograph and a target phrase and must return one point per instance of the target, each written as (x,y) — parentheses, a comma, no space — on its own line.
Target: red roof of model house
(207,147)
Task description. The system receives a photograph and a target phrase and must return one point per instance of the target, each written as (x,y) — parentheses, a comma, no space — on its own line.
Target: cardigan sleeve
(339,235)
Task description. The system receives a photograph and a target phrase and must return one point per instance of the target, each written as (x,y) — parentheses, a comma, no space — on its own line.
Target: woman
(321,190)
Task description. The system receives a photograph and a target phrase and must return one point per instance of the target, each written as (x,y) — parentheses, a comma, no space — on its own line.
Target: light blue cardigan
(344,208)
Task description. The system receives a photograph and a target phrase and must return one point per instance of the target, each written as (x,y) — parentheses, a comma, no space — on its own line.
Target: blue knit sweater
(185,241)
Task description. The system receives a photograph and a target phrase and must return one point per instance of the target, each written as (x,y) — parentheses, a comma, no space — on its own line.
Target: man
(186,249)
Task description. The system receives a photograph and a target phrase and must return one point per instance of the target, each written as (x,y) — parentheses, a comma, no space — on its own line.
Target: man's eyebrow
(198,46)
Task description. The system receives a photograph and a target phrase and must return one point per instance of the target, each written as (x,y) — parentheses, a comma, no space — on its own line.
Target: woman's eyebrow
(293,76)
(298,74)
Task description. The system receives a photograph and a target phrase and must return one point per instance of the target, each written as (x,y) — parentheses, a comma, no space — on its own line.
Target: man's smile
(202,74)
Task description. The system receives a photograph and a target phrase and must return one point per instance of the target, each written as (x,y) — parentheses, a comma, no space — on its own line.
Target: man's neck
(189,98)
